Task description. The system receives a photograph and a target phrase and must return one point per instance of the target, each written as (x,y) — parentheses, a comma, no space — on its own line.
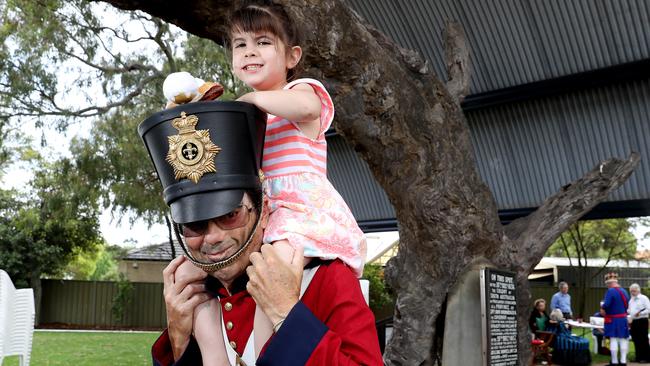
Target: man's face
(564,289)
(634,291)
(216,244)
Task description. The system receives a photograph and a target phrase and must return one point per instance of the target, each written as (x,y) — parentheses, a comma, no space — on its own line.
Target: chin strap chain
(212,267)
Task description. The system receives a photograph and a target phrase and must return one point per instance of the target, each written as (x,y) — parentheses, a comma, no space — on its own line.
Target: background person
(614,309)
(538,319)
(562,300)
(638,311)
(567,348)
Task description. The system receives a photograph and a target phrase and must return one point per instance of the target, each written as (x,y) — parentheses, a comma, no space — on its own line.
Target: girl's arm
(298,104)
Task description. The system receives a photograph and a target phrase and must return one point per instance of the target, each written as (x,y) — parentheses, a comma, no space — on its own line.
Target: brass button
(233,344)
(228,306)
(229,325)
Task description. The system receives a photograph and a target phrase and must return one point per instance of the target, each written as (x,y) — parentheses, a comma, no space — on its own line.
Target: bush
(380,295)
(122,298)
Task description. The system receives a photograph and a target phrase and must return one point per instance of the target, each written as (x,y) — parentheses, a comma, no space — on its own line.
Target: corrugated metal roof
(526,151)
(517,42)
(354,181)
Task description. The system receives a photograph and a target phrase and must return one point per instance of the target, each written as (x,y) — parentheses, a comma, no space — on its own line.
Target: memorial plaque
(499,315)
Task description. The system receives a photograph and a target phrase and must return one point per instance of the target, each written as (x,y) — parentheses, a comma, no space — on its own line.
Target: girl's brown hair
(266,16)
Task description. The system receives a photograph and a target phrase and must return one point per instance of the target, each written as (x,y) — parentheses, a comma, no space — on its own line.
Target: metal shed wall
(518,42)
(526,151)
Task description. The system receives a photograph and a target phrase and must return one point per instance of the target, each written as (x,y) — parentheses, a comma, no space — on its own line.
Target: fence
(89,303)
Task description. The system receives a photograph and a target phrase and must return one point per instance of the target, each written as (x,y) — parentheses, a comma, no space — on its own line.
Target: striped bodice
(287,150)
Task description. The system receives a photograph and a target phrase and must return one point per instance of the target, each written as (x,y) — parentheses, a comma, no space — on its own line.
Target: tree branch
(212,14)
(537,231)
(566,250)
(457,61)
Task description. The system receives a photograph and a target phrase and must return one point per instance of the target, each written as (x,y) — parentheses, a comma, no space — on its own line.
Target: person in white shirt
(638,311)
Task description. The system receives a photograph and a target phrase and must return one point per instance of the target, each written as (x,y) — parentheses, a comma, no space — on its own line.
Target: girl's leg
(285,250)
(208,333)
(262,324)
(263,330)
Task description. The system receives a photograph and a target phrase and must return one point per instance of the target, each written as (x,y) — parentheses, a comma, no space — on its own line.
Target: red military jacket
(331,325)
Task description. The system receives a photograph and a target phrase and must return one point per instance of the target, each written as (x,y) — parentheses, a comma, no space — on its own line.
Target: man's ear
(294,56)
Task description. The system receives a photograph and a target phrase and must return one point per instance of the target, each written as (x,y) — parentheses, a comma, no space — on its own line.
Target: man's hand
(183,290)
(274,284)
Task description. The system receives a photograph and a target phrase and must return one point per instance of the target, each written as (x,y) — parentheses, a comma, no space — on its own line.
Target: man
(208,161)
(638,311)
(562,300)
(614,309)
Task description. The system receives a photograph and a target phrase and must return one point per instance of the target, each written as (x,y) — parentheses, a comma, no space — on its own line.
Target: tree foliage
(98,263)
(586,240)
(608,239)
(94,68)
(380,294)
(41,232)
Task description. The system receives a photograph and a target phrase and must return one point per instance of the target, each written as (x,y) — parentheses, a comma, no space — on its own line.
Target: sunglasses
(232,220)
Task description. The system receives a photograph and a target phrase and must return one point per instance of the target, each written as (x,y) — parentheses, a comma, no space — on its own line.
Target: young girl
(305,209)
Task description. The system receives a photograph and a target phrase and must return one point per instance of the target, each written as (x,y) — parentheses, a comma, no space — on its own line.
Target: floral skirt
(307,211)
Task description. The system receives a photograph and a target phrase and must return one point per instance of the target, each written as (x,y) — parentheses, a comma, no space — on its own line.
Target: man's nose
(213,233)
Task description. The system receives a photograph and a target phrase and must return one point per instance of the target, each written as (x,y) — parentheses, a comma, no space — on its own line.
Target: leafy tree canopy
(608,239)
(98,263)
(72,66)
(41,231)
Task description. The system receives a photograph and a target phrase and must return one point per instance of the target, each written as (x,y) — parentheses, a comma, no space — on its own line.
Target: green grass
(89,348)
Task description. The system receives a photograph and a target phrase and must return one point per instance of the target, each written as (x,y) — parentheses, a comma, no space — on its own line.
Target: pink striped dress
(306,209)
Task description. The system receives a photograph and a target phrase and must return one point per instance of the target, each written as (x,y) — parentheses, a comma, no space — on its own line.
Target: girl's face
(541,306)
(261,60)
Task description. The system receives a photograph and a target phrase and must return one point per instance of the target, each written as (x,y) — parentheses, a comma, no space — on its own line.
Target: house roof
(155,252)
(518,42)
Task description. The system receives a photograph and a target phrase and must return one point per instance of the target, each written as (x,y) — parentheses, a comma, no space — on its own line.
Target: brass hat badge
(191,152)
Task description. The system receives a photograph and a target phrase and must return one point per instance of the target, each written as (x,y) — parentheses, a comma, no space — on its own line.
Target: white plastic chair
(17,313)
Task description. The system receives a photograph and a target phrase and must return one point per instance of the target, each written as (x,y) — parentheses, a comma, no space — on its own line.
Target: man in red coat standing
(318,312)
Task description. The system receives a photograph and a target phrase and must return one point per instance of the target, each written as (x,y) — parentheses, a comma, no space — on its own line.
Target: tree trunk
(35,284)
(409,127)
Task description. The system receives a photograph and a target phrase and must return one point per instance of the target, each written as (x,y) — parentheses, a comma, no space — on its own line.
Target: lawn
(127,348)
(89,348)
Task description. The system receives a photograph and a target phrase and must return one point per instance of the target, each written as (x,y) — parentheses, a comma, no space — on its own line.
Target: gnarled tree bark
(408,126)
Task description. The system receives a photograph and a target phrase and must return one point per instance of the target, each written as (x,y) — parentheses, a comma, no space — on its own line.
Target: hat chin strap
(215,266)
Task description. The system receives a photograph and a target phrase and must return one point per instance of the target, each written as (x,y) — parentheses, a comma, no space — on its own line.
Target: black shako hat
(206,155)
